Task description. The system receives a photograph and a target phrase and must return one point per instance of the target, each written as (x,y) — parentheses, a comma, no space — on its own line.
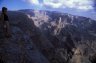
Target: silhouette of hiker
(5,22)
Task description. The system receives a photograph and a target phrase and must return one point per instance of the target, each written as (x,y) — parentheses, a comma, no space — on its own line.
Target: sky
(79,7)
(61,4)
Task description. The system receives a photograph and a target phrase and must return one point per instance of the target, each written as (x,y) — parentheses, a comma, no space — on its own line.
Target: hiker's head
(4,10)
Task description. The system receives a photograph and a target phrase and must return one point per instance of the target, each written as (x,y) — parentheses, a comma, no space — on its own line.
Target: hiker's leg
(8,32)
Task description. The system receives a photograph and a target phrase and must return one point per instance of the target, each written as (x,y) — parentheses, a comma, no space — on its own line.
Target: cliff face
(20,48)
(48,37)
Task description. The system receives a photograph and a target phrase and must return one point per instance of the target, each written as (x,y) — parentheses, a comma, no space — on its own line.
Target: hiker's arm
(1,18)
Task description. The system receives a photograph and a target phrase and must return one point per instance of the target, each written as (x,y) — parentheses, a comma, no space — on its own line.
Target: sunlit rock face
(67,32)
(48,37)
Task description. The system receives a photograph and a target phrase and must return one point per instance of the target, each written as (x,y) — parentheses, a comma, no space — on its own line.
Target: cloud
(77,4)
(53,5)
(36,2)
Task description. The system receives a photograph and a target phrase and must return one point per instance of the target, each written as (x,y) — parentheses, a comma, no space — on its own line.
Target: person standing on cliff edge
(5,22)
